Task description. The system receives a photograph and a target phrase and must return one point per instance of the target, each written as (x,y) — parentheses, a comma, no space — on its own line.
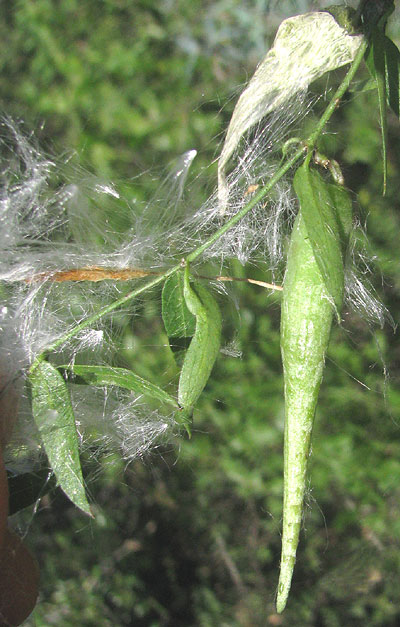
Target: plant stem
(309,143)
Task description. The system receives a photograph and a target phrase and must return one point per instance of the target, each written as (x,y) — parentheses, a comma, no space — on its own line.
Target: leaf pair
(191,317)
(327,213)
(54,416)
(191,314)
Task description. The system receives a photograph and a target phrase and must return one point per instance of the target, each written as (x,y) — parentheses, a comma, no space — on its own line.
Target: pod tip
(281,598)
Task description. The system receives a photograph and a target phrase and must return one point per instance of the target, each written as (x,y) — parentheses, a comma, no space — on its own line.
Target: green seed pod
(305,329)
(313,292)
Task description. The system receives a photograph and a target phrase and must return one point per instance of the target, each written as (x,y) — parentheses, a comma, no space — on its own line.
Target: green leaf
(106,375)
(383,62)
(27,488)
(54,417)
(204,347)
(392,73)
(390,65)
(327,213)
(379,65)
(179,322)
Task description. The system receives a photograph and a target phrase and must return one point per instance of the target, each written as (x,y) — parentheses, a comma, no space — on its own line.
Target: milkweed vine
(306,47)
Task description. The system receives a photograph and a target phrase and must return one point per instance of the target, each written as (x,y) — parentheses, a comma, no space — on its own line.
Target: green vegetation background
(191,537)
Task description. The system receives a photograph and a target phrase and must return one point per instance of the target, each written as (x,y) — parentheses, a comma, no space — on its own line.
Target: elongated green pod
(306,321)
(313,292)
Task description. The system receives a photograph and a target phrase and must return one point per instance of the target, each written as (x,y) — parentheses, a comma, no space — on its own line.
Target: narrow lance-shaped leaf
(379,63)
(392,73)
(204,347)
(106,375)
(54,417)
(376,61)
(179,322)
(388,57)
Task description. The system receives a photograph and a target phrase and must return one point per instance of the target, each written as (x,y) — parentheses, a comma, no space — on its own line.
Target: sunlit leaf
(54,417)
(305,48)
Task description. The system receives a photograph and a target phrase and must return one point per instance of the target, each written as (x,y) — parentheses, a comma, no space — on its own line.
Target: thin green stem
(309,143)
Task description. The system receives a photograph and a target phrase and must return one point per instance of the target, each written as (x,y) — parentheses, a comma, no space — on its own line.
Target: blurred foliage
(192,535)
